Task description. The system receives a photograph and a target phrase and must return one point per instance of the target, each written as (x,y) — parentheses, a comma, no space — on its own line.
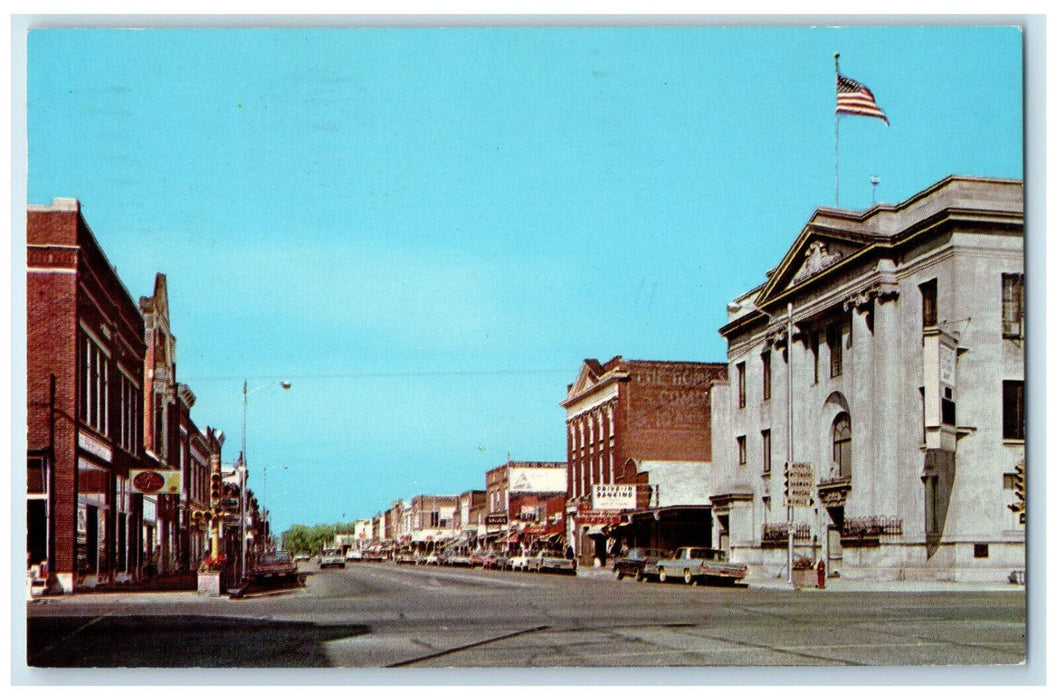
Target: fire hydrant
(820,568)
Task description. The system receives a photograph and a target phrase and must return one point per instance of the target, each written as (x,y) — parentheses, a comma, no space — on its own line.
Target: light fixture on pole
(244,462)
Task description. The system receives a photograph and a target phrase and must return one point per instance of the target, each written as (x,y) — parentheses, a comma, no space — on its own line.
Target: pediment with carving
(811,256)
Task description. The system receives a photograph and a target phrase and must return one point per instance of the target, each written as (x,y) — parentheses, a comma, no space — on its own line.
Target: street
(388,615)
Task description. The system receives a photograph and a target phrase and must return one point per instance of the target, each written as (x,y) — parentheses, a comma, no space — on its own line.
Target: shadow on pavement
(184,641)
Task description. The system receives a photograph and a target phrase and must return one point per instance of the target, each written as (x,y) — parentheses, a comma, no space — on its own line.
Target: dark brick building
(84,377)
(639,442)
(102,406)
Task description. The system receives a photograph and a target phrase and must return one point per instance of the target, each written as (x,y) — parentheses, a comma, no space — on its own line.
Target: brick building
(432,521)
(514,492)
(639,444)
(84,391)
(469,515)
(96,370)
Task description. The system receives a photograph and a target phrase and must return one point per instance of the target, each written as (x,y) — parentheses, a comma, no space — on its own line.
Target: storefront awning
(596,530)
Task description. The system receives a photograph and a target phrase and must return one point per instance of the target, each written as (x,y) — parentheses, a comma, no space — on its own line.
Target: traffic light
(216,484)
(1019,505)
(785,484)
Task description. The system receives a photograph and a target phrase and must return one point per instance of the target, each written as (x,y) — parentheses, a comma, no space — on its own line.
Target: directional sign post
(800,483)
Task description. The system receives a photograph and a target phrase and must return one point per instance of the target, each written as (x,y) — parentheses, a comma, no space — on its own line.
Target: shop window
(1013,306)
(1013,410)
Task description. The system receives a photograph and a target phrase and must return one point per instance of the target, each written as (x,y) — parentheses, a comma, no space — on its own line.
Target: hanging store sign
(155,481)
(597,517)
(799,484)
(613,497)
(495,519)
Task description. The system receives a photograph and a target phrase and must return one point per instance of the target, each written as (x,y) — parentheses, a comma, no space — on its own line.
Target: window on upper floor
(740,368)
(766,359)
(95,386)
(836,350)
(742,456)
(765,438)
(129,418)
(1013,410)
(814,352)
(1013,306)
(928,303)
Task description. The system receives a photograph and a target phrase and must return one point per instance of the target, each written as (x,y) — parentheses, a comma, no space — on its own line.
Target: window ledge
(1013,442)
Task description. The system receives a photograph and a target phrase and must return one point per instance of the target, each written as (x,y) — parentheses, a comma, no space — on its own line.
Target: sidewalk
(843,585)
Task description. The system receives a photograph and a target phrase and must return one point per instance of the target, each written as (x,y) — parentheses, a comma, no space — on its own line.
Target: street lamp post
(244,462)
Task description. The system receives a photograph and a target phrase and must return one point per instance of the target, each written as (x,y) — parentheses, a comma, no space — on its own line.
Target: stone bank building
(885,352)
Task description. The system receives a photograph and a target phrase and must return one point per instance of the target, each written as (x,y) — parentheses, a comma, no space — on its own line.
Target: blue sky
(427,230)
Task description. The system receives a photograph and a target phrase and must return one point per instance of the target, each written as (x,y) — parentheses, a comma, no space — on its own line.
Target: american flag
(855,98)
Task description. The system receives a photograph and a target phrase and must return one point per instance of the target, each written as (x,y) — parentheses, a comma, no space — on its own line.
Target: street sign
(799,485)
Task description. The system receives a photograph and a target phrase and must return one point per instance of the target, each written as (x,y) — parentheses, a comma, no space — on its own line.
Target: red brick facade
(627,411)
(94,382)
(84,372)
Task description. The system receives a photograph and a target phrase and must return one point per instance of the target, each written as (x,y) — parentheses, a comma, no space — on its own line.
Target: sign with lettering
(499,519)
(152,481)
(613,497)
(799,484)
(597,517)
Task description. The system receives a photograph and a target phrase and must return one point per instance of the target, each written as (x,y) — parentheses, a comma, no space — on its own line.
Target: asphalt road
(388,615)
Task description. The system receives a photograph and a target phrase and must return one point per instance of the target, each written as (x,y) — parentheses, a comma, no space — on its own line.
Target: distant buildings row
(883,358)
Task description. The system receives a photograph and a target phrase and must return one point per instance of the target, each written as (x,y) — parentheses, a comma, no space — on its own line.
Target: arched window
(842,444)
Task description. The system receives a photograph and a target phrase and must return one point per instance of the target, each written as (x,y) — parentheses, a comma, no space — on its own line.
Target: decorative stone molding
(863,300)
(833,492)
(817,259)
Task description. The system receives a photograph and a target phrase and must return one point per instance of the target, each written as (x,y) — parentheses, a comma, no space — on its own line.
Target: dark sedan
(638,562)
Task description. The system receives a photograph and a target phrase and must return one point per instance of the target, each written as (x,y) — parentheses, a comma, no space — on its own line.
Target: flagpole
(836,137)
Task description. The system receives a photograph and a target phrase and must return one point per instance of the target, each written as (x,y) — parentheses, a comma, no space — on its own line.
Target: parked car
(406,558)
(274,567)
(485,560)
(639,562)
(694,564)
(302,556)
(546,560)
(457,559)
(331,557)
(519,562)
(501,562)
(353,555)
(432,559)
